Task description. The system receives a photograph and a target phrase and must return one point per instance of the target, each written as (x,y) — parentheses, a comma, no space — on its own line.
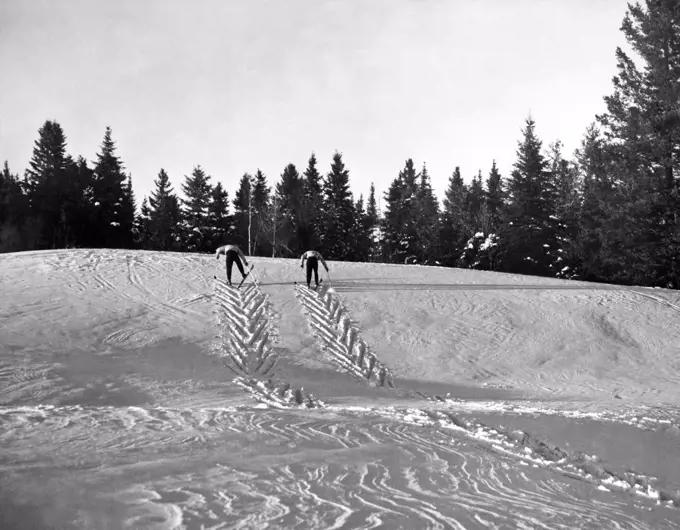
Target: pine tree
(528,237)
(338,211)
(112,215)
(164,216)
(198,192)
(454,229)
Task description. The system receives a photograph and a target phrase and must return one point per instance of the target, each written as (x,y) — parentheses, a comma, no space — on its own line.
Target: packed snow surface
(137,391)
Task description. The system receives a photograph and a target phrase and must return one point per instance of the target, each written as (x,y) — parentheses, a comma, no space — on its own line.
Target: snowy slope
(503,400)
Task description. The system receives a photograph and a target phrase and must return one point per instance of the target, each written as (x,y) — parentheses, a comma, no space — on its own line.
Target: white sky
(236,86)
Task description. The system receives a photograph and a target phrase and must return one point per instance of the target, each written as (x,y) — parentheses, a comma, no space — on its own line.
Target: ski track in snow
(112,419)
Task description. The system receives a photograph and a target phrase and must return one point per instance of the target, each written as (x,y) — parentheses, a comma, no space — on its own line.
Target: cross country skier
(313,257)
(233,254)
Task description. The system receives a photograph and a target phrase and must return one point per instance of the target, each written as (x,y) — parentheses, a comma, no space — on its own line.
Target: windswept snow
(138,392)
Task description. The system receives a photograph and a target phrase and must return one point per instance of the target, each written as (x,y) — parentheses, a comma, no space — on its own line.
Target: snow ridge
(244,331)
(330,323)
(245,345)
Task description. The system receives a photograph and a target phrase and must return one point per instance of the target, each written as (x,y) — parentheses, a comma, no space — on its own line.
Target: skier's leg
(240,266)
(230,263)
(309,271)
(316,272)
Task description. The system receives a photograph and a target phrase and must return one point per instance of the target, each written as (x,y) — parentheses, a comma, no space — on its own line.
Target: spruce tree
(564,176)
(198,192)
(219,220)
(338,211)
(44,181)
(113,219)
(400,228)
(643,133)
(13,211)
(426,220)
(243,212)
(289,194)
(494,198)
(454,228)
(262,212)
(312,207)
(528,237)
(475,204)
(596,189)
(164,216)
(373,223)
(361,237)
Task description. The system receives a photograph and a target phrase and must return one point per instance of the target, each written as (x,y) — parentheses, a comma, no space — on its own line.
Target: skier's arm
(323,262)
(219,252)
(302,260)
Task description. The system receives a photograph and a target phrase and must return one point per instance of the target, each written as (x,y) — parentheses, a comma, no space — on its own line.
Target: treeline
(610,213)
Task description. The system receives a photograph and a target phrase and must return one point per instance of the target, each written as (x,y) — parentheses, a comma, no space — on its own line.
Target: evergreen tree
(312,208)
(361,237)
(261,211)
(642,130)
(474,205)
(528,237)
(338,211)
(13,211)
(564,176)
(597,189)
(198,192)
(219,220)
(164,216)
(243,212)
(400,228)
(289,193)
(113,218)
(426,221)
(44,182)
(373,223)
(143,226)
(454,228)
(494,198)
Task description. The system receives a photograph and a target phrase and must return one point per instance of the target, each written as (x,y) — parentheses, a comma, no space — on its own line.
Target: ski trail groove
(330,323)
(245,345)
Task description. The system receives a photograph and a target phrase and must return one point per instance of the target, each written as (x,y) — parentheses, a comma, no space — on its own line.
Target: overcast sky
(239,85)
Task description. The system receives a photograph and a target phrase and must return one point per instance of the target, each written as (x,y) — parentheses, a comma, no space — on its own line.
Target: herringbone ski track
(247,333)
(330,323)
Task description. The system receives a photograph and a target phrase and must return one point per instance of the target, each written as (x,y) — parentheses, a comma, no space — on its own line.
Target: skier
(312,257)
(233,254)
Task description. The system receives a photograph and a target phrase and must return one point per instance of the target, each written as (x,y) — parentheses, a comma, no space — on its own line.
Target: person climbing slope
(313,257)
(234,255)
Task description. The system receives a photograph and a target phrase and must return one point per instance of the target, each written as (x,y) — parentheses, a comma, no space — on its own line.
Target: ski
(247,274)
(312,289)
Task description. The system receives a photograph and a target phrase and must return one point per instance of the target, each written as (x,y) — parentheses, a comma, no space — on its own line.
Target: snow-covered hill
(442,398)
